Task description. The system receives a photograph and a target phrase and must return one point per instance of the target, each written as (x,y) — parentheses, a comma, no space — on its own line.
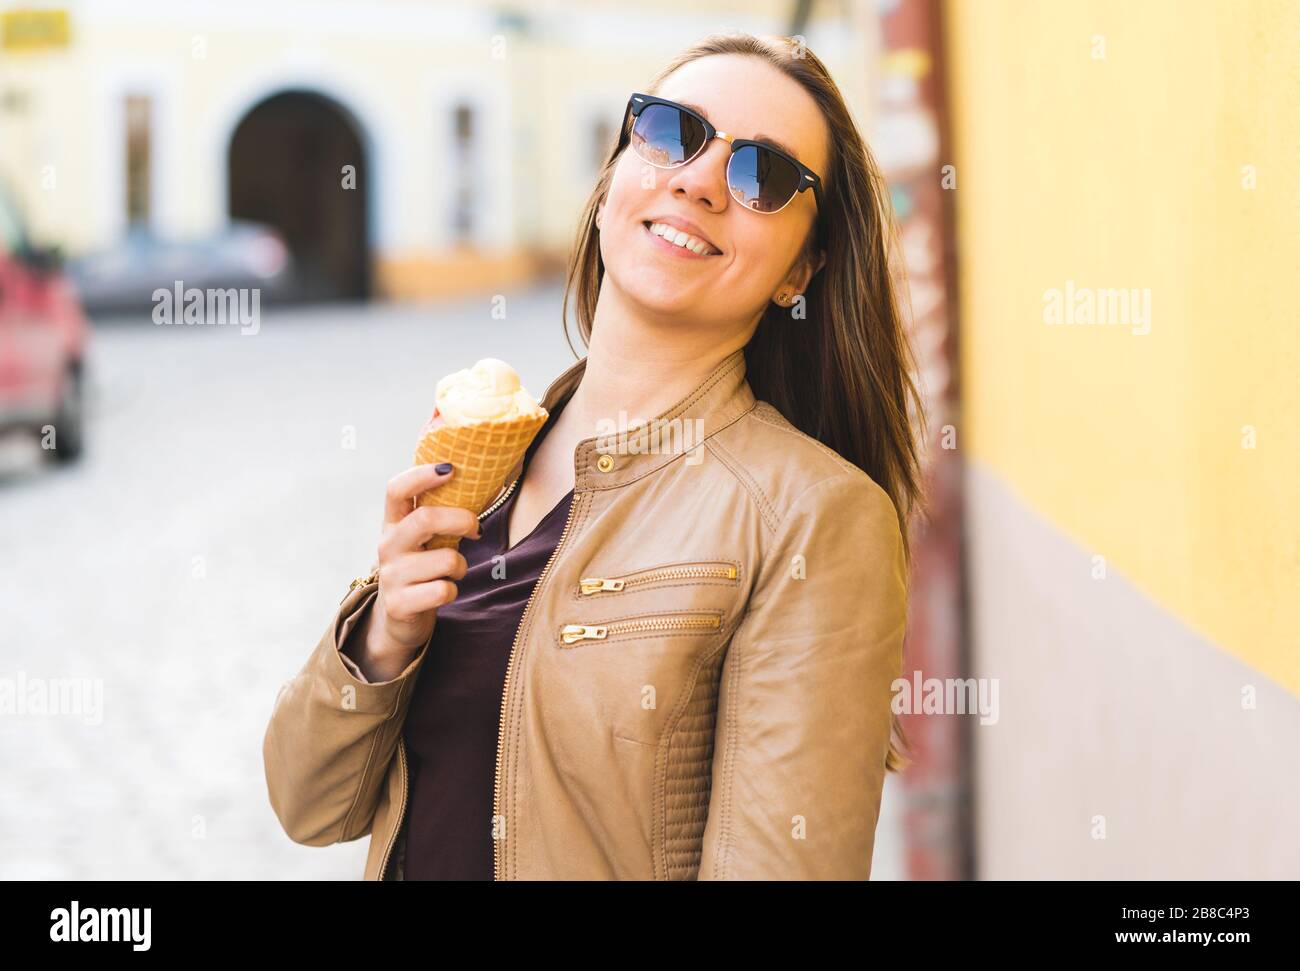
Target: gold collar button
(605,463)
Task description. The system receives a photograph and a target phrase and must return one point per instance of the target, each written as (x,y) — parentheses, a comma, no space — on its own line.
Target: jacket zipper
(504,496)
(401,743)
(505,690)
(401,809)
(590,585)
(572,633)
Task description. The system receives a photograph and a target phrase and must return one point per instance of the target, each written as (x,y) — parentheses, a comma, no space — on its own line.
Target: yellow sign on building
(33,30)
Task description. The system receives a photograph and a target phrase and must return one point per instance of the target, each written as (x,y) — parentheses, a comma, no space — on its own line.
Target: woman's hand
(413,582)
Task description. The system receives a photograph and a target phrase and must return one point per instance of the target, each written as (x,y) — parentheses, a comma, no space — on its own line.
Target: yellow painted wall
(1127,171)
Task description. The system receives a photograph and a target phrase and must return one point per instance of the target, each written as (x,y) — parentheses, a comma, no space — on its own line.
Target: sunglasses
(761,177)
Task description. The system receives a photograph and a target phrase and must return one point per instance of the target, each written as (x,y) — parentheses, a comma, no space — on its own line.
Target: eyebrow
(760,137)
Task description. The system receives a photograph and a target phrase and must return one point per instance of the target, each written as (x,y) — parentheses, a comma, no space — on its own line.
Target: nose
(704,178)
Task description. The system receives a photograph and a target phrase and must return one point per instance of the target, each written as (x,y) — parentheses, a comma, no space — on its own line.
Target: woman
(666,650)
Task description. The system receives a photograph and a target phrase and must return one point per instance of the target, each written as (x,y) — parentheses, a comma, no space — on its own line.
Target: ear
(600,208)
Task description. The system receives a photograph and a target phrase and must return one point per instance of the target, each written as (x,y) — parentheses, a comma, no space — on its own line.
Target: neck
(642,366)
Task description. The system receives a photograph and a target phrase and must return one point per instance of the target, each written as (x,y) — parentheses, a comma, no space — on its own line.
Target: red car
(43,338)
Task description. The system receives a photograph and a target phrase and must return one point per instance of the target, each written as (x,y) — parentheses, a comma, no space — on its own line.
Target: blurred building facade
(404,148)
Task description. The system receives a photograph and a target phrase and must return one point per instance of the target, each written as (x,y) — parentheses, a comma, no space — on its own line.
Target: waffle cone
(483,453)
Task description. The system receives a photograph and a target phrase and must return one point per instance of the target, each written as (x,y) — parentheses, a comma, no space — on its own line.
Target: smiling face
(739,259)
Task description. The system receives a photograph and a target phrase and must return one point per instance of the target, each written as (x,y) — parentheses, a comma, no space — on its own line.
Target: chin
(661,295)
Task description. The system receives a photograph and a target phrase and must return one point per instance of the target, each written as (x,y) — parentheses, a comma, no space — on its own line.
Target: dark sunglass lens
(665,136)
(762,180)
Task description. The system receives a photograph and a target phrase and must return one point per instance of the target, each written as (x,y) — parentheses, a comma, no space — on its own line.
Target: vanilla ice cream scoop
(489,391)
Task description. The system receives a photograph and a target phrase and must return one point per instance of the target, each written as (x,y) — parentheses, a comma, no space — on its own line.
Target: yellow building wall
(1114,144)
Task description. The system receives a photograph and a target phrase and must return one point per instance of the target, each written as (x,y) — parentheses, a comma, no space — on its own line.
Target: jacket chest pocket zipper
(665,574)
(695,623)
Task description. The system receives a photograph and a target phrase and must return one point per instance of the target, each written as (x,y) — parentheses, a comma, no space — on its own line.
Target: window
(139,112)
(464,187)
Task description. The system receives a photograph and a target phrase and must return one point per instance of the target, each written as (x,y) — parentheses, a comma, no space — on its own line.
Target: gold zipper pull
(578,632)
(597,584)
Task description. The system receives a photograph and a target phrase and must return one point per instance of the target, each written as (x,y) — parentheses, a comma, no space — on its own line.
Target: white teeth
(684,240)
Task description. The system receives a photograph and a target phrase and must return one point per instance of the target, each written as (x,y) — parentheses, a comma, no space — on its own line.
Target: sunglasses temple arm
(623,130)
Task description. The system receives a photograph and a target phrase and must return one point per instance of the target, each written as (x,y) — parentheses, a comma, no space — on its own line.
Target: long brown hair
(844,374)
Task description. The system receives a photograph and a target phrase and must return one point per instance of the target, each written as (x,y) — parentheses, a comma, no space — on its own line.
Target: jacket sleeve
(332,736)
(804,710)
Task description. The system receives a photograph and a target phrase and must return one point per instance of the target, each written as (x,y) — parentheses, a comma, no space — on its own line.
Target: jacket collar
(607,461)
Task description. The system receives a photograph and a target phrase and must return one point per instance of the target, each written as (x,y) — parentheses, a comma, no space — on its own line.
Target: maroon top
(451,725)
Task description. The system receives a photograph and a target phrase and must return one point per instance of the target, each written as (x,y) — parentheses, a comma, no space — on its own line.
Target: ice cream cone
(482,424)
(483,454)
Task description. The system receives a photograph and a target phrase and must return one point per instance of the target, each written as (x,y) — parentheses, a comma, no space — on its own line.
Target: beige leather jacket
(700,684)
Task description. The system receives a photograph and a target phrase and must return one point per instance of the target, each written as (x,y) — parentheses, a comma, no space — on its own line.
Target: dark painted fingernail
(442,468)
